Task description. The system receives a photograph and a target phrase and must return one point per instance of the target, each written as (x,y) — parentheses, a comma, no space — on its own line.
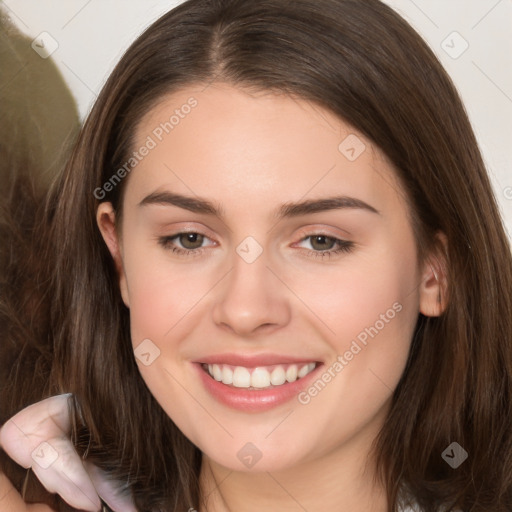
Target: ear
(106,220)
(434,279)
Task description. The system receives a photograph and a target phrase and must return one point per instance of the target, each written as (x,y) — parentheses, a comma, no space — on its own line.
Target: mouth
(260,377)
(242,384)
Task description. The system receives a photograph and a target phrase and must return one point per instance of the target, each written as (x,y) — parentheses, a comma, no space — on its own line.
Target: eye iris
(322,239)
(196,238)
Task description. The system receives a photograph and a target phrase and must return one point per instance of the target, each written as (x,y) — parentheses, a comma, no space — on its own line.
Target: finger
(37,437)
(59,468)
(37,423)
(110,490)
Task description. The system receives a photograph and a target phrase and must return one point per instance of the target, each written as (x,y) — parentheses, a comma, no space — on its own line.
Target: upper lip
(252,361)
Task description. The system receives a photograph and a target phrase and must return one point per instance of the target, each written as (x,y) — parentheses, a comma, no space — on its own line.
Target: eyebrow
(287,210)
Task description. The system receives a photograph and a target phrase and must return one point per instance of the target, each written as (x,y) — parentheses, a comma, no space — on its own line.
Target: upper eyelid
(312,228)
(305,232)
(309,231)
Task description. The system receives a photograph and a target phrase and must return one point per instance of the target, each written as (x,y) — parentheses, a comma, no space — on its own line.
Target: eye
(326,246)
(190,241)
(191,244)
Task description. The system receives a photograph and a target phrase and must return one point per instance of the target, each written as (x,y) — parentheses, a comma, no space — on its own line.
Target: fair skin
(249,154)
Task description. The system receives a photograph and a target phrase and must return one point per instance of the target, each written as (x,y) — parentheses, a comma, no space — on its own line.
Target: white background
(93,34)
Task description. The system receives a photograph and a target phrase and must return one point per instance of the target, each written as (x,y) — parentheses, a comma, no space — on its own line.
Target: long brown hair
(364,63)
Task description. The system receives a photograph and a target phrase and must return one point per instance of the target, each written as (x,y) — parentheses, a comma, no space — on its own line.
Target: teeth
(227,375)
(305,370)
(291,373)
(241,377)
(258,378)
(278,376)
(217,372)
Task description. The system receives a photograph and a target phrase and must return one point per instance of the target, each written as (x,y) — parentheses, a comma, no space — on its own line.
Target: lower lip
(259,400)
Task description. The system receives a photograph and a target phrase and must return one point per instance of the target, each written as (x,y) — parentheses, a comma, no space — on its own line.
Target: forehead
(255,148)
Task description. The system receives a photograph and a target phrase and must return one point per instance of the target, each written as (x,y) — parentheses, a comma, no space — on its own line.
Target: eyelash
(344,246)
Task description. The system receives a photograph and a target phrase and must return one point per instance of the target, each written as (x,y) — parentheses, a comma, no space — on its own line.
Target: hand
(38,437)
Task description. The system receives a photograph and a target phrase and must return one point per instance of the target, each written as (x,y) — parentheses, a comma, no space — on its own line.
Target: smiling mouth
(261,377)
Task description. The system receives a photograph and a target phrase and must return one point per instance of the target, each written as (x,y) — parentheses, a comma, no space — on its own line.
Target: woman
(279,274)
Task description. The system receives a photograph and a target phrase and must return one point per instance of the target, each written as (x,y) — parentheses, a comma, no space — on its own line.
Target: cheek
(365,294)
(368,318)
(367,311)
(161,293)
(163,312)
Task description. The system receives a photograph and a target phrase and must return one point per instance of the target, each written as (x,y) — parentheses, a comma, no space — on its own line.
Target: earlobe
(434,282)
(106,220)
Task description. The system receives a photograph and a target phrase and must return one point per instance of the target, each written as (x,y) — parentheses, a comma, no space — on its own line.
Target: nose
(251,300)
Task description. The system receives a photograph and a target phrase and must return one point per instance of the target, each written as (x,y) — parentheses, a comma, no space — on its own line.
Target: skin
(249,153)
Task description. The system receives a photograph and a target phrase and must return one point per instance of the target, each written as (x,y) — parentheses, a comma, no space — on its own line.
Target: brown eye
(190,240)
(324,246)
(186,243)
(322,242)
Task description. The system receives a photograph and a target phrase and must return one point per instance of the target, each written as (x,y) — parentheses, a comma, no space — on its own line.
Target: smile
(265,377)
(254,384)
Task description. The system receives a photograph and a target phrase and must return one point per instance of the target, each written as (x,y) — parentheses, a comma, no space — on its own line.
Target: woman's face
(296,279)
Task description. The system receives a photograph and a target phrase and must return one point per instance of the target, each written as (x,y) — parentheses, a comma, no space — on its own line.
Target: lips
(255,383)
